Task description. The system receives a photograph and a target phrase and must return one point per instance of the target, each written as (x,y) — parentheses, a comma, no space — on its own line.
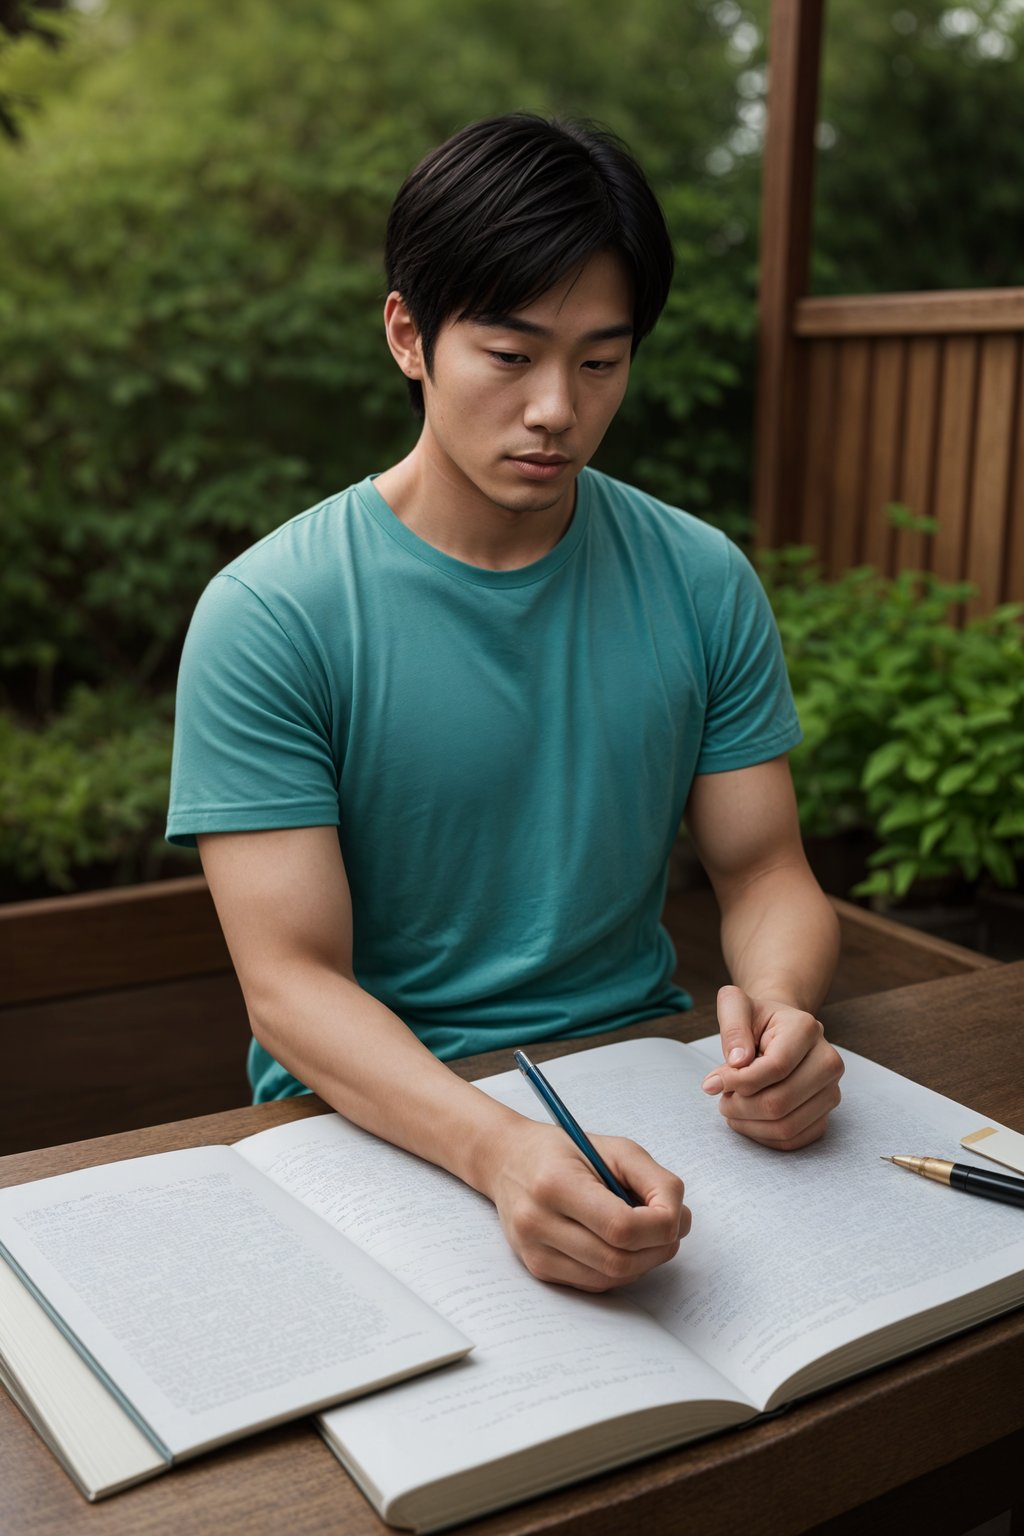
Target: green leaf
(903,876)
(920,769)
(953,779)
(981,719)
(901,516)
(187,374)
(906,812)
(876,884)
(963,841)
(998,861)
(931,834)
(882,763)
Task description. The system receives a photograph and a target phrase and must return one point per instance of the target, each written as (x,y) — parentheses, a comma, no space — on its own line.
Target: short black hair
(495,216)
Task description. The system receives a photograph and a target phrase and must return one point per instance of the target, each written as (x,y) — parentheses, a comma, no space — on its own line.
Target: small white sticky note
(999,1144)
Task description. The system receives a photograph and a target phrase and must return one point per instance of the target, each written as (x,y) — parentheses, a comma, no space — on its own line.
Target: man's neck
(447,511)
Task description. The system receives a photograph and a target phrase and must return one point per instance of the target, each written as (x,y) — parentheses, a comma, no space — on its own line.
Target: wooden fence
(866,400)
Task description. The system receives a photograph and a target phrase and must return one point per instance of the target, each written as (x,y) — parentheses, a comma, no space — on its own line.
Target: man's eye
(509,359)
(601,366)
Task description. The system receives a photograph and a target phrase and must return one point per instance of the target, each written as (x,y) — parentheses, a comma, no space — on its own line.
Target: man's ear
(403,336)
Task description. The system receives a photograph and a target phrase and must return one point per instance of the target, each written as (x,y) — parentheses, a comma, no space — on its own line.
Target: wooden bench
(120,1009)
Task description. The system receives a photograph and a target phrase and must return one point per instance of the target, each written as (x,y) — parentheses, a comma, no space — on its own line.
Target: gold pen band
(936,1168)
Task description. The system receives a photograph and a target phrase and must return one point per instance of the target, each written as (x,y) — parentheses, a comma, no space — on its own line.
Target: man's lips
(539,466)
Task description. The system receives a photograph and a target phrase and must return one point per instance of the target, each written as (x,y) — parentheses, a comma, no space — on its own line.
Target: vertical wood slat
(954,456)
(1014,586)
(922,380)
(851,418)
(885,432)
(817,439)
(888,370)
(990,484)
(794,51)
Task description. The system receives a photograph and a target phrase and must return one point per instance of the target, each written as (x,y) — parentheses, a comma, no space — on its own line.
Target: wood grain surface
(974,310)
(950,1414)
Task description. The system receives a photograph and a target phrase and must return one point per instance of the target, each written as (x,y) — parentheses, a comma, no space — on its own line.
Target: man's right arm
(284,904)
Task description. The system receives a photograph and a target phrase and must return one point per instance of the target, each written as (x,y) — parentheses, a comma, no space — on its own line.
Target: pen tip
(886,1159)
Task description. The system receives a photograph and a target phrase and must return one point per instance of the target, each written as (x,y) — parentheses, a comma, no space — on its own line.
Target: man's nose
(551,405)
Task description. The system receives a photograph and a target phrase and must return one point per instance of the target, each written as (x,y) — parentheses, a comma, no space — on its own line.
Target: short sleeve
(750,715)
(252,734)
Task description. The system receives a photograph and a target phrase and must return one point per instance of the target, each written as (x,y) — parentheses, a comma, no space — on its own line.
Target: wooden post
(794,52)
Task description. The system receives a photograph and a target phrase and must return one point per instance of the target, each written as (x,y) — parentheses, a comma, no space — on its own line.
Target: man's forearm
(363,1061)
(285,906)
(780,937)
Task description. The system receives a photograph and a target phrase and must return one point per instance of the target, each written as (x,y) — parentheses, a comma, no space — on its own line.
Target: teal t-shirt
(506,754)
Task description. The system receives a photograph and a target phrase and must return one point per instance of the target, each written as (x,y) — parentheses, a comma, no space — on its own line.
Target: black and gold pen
(976,1181)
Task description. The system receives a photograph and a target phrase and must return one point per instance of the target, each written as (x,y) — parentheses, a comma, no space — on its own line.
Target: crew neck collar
(522,576)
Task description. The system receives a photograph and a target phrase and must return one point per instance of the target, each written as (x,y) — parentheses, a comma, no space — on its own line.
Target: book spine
(93,1364)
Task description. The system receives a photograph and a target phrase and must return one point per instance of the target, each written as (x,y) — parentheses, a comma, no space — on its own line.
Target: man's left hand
(780,1078)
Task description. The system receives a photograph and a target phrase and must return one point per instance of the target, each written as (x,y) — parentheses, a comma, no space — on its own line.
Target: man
(435,736)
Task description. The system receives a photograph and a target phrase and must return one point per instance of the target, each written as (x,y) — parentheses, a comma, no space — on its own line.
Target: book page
(791,1254)
(213,1301)
(82,1423)
(547,1360)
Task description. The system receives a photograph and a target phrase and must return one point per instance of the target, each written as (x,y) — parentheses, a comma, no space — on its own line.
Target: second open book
(801,1270)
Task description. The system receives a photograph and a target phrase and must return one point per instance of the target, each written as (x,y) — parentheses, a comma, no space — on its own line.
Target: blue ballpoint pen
(561,1116)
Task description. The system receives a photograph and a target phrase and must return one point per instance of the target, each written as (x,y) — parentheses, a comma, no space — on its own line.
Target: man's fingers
(660,1191)
(806,1123)
(782,1052)
(792,1113)
(559,1247)
(783,1096)
(568,1227)
(662,1217)
(736,1026)
(609,1271)
(819,1072)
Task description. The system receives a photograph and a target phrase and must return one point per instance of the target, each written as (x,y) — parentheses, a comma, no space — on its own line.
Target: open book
(154,1308)
(802,1269)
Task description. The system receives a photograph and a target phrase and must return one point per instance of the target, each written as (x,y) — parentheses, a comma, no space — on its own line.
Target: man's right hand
(563,1222)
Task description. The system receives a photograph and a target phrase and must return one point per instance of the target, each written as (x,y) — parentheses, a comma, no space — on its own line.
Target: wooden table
(933,1444)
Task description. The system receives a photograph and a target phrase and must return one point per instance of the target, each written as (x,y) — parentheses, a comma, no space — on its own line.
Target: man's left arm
(780,937)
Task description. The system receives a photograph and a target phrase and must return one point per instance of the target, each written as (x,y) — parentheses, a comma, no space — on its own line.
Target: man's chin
(532,506)
(532,497)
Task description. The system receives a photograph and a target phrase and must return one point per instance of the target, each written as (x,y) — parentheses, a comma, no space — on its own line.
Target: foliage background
(190,289)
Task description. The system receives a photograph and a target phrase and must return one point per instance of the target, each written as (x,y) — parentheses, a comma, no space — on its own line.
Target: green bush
(946,791)
(913,726)
(191,284)
(89,789)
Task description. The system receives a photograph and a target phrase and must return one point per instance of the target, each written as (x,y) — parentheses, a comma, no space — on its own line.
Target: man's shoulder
(294,580)
(639,511)
(300,546)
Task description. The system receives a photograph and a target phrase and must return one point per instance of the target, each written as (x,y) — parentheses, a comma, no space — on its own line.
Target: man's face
(518,403)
